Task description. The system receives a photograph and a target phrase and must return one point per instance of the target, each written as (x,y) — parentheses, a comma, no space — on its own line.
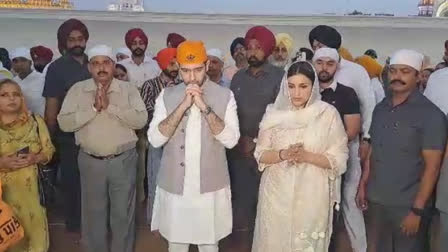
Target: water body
(385,34)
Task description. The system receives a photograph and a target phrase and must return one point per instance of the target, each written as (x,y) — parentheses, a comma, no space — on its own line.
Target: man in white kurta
(193,217)
(354,76)
(31,82)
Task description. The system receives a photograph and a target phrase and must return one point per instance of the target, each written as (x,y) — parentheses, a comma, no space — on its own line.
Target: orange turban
(345,54)
(165,56)
(191,52)
(371,65)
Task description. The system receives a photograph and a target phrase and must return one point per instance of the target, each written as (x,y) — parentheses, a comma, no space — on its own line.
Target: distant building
(36,4)
(426,8)
(441,8)
(127,5)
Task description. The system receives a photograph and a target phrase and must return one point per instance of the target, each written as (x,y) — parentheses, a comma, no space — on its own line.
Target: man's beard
(77,51)
(254,62)
(325,76)
(278,63)
(39,68)
(171,74)
(138,52)
(240,57)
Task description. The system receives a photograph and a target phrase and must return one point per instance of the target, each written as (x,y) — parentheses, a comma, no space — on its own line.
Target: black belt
(109,157)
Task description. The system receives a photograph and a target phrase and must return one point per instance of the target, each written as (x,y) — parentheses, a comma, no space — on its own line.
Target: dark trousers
(70,182)
(443,231)
(245,182)
(384,232)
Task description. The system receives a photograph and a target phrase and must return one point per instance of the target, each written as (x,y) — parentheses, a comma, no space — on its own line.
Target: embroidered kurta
(193,218)
(295,207)
(20,189)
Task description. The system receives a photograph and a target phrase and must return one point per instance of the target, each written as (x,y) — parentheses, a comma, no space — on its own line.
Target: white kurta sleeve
(231,133)
(155,137)
(367,101)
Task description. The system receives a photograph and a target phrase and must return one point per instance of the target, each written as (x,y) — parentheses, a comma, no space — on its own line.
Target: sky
(275,7)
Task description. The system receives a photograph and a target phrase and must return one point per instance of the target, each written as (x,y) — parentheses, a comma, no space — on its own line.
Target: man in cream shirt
(104,114)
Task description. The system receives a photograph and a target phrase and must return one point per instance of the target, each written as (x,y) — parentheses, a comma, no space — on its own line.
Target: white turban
(21,52)
(124,50)
(409,58)
(216,53)
(101,50)
(326,53)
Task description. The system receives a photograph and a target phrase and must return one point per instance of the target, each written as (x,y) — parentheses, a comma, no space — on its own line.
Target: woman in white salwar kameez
(302,152)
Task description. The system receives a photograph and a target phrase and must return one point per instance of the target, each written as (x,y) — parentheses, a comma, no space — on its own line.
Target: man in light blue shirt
(216,68)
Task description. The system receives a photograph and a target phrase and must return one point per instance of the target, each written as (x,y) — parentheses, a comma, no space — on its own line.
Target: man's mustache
(398,81)
(102,72)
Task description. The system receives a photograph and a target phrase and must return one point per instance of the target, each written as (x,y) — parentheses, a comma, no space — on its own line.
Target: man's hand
(104,98)
(363,150)
(246,146)
(361,196)
(198,99)
(188,100)
(410,224)
(98,101)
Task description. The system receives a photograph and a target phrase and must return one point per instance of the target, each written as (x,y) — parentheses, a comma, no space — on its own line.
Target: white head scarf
(101,50)
(284,114)
(409,58)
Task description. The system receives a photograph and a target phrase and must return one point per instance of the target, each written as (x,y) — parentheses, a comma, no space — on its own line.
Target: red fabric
(264,36)
(174,39)
(66,28)
(165,56)
(133,34)
(41,52)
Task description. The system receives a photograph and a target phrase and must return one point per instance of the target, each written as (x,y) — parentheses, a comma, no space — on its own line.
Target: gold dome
(36,4)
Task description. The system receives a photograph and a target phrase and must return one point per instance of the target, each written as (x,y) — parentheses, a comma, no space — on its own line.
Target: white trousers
(353,216)
(183,247)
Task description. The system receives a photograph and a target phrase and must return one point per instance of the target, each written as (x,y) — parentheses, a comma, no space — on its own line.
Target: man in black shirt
(61,76)
(326,61)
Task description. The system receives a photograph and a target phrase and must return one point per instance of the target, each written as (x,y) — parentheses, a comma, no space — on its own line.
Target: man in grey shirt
(254,87)
(408,141)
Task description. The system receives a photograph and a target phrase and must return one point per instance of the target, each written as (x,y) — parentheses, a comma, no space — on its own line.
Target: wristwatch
(207,111)
(366,139)
(418,211)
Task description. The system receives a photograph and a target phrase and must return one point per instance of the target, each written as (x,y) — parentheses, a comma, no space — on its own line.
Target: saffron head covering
(165,56)
(264,36)
(286,40)
(345,54)
(326,35)
(66,28)
(371,65)
(174,39)
(191,52)
(133,34)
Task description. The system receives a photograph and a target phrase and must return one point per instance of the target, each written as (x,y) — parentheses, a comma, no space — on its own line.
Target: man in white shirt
(194,122)
(437,89)
(140,67)
(215,70)
(354,76)
(31,82)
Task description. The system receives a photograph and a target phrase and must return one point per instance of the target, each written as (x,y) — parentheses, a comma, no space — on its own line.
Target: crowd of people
(284,149)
